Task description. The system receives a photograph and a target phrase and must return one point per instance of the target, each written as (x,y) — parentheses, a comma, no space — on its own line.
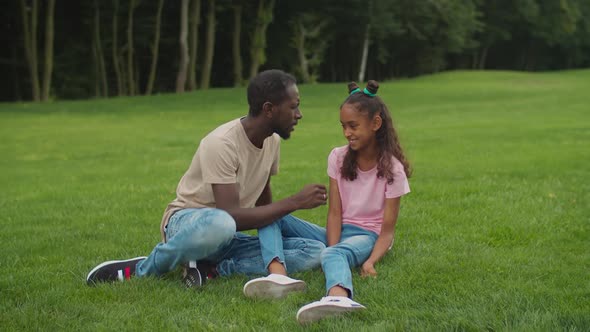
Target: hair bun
(352,86)
(372,86)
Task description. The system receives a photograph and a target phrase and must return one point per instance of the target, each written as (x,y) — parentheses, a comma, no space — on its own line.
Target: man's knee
(215,230)
(313,249)
(223,225)
(316,247)
(334,252)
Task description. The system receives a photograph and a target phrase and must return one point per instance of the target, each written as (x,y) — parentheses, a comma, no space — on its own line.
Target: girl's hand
(368,270)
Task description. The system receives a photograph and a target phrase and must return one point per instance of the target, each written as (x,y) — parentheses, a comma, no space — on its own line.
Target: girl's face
(358,129)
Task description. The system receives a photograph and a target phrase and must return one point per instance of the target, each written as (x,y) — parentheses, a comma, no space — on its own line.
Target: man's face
(287,113)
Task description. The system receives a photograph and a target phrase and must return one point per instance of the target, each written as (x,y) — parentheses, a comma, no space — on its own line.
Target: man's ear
(377,122)
(267,109)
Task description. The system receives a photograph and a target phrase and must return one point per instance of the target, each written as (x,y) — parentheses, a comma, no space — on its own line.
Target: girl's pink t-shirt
(363,200)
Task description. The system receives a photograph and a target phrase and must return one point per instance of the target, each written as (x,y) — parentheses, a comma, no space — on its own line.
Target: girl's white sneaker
(326,307)
(273,286)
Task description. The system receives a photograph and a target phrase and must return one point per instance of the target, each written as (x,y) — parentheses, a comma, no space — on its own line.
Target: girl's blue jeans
(354,248)
(209,234)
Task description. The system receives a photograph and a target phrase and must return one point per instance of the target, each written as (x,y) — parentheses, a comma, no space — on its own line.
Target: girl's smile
(357,128)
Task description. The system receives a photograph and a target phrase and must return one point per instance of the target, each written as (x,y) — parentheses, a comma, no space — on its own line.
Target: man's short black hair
(269,85)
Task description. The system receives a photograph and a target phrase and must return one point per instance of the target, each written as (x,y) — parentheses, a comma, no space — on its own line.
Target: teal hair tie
(355,91)
(368,93)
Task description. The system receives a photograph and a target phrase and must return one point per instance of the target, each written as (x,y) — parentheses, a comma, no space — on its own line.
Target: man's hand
(368,270)
(311,196)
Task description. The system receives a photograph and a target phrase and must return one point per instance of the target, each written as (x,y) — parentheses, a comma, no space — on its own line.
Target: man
(227,188)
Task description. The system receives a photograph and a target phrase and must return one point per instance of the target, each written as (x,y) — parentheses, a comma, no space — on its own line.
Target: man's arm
(227,198)
(266,195)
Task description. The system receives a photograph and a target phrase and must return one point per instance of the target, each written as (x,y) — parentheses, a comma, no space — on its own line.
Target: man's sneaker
(274,286)
(326,307)
(194,276)
(113,271)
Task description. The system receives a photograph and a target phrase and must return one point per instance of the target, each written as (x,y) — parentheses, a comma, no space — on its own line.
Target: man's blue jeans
(354,248)
(209,234)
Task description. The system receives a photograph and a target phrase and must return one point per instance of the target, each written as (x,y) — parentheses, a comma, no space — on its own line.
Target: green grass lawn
(494,236)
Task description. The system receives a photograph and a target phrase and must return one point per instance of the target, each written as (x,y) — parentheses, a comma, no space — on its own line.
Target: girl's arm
(385,239)
(334,224)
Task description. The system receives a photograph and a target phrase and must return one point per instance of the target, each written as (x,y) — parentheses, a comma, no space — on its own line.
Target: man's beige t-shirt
(224,156)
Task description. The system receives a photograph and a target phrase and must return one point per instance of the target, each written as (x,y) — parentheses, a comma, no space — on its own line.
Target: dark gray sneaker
(113,271)
(195,277)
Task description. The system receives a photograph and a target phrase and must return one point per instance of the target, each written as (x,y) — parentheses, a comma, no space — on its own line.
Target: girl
(368,176)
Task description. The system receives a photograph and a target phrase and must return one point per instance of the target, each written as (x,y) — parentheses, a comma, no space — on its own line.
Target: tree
(405,38)
(183,63)
(431,30)
(195,21)
(101,76)
(48,71)
(366,41)
(209,46)
(130,73)
(556,23)
(574,49)
(30,39)
(500,21)
(236,49)
(310,43)
(155,49)
(121,90)
(257,48)
(30,22)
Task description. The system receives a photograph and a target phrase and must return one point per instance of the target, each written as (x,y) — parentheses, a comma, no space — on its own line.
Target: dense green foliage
(494,235)
(407,38)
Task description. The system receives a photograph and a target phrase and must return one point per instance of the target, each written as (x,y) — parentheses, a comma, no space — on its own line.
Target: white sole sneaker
(273,287)
(327,307)
(113,270)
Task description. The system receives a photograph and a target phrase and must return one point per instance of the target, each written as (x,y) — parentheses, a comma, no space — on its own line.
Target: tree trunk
(482,57)
(209,46)
(116,65)
(30,39)
(101,75)
(48,68)
(195,21)
(300,45)
(366,42)
(263,19)
(130,75)
(15,74)
(155,49)
(474,60)
(238,79)
(33,41)
(97,92)
(365,55)
(137,77)
(183,63)
(122,62)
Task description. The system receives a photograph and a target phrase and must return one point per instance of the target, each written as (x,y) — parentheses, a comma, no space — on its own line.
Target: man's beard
(284,134)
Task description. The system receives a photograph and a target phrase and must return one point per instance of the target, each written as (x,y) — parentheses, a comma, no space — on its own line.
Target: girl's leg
(354,249)
(192,235)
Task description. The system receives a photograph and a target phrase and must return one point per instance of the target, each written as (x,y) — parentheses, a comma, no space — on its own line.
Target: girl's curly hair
(387,139)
